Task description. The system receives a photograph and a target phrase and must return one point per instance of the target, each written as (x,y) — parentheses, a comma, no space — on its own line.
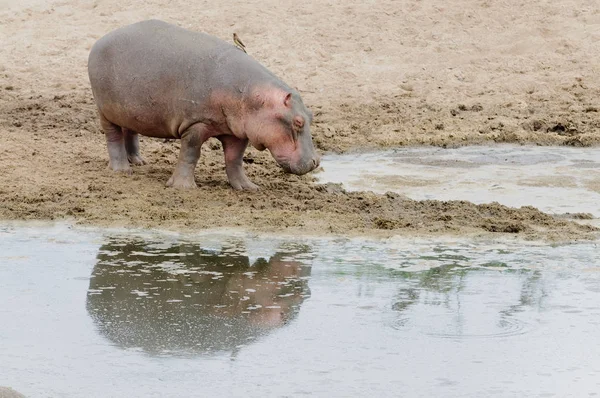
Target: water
(93,313)
(554,179)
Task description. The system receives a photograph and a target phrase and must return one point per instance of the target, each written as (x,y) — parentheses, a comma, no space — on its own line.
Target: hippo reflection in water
(183,299)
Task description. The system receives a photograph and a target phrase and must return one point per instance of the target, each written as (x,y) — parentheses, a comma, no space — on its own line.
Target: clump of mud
(54,166)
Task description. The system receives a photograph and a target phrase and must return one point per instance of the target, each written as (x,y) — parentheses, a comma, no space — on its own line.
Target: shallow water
(90,313)
(553,179)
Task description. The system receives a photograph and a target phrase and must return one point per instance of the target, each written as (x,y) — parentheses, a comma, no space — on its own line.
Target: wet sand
(392,74)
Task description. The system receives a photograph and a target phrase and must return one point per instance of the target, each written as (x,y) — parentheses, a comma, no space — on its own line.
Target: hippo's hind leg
(234,149)
(115,143)
(132,146)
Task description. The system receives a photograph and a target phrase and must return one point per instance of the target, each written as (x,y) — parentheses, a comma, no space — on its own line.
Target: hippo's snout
(301,167)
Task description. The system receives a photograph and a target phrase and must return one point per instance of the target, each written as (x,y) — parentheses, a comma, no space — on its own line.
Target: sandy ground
(375,73)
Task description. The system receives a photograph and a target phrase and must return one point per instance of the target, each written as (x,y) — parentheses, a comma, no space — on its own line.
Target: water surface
(92,313)
(554,179)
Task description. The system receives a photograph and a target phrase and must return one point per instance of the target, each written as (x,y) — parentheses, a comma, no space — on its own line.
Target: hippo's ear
(288,100)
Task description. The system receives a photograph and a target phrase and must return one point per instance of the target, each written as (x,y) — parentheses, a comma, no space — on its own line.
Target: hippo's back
(153,52)
(153,37)
(143,75)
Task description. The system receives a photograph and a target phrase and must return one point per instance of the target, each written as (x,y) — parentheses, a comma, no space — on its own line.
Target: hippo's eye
(288,126)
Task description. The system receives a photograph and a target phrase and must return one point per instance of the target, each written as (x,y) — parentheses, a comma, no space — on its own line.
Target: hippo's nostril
(315,162)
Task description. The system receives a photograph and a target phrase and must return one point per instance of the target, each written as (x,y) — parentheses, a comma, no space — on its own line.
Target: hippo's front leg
(191,142)
(234,149)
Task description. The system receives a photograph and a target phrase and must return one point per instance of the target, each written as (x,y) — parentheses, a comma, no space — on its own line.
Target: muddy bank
(423,74)
(56,168)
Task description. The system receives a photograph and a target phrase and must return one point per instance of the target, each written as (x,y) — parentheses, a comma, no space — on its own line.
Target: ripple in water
(501,329)
(504,328)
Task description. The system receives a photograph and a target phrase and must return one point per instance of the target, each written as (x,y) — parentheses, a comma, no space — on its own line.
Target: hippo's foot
(180,182)
(136,160)
(120,167)
(238,179)
(243,185)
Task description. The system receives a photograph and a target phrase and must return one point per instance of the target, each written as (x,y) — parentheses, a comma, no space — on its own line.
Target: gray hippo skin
(160,80)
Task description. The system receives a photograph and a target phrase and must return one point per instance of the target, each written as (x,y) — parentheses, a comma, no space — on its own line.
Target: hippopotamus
(160,80)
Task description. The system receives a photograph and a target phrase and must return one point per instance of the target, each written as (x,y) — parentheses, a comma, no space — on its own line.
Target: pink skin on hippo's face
(283,127)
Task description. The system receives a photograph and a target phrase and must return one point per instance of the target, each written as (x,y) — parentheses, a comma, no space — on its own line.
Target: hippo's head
(281,123)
